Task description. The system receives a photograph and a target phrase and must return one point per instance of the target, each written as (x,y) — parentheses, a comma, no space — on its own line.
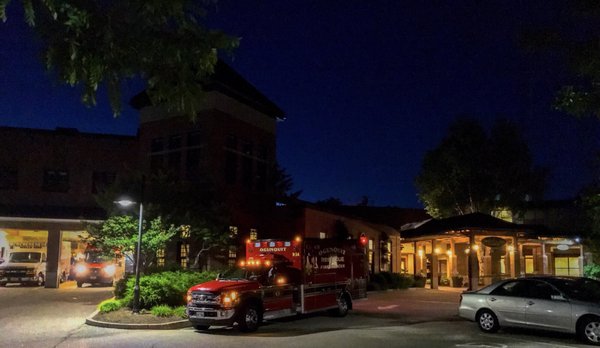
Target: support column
(454,258)
(53,257)
(473,264)
(544,259)
(434,265)
(581,260)
(415,258)
(516,261)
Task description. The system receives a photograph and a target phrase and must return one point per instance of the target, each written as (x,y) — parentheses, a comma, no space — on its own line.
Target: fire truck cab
(280,278)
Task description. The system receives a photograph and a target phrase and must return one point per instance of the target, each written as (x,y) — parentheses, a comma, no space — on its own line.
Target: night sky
(367,86)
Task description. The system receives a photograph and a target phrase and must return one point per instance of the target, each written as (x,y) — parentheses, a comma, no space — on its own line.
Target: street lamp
(136,288)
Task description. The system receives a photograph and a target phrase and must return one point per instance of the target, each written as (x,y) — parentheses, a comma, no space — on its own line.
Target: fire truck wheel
(79,284)
(201,327)
(249,318)
(342,309)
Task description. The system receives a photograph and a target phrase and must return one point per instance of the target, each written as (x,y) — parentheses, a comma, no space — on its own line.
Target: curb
(172,325)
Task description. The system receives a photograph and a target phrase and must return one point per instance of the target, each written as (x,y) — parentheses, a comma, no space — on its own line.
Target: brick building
(48,178)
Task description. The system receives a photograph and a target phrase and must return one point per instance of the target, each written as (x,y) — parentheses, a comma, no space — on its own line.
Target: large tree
(195,204)
(94,43)
(574,39)
(473,172)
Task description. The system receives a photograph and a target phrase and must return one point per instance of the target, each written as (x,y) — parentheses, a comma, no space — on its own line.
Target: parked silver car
(565,304)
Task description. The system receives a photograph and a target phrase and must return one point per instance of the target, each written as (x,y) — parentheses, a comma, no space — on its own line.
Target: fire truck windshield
(239,274)
(25,257)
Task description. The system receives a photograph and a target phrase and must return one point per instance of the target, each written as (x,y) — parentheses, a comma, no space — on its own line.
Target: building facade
(48,182)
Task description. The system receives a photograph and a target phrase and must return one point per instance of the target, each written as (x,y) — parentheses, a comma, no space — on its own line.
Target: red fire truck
(281,278)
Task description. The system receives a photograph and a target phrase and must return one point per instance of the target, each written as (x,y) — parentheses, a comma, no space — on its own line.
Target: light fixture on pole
(136,288)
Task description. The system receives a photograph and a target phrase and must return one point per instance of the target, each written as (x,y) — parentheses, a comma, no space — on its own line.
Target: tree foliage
(95,42)
(590,202)
(473,172)
(182,203)
(576,39)
(283,183)
(119,234)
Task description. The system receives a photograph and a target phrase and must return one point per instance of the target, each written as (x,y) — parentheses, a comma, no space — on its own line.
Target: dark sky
(367,86)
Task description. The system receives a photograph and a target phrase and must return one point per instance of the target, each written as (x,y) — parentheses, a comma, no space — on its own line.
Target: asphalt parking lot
(36,316)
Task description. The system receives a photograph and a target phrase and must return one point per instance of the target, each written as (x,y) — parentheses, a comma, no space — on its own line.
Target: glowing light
(467,250)
(475,247)
(248,240)
(511,248)
(242,263)
(449,252)
(110,270)
(420,252)
(81,268)
(298,239)
(281,280)
(437,251)
(267,263)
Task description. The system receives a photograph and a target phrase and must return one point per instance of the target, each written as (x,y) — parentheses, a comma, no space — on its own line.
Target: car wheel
(487,321)
(79,284)
(40,280)
(201,327)
(249,318)
(589,330)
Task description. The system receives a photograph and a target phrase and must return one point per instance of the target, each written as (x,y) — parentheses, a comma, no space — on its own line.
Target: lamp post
(136,288)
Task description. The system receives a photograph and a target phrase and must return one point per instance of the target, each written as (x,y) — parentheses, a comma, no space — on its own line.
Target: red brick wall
(31,152)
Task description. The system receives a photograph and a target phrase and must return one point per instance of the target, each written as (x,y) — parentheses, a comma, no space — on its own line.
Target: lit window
(370,244)
(184,251)
(253,234)
(233,231)
(160,257)
(322,235)
(185,231)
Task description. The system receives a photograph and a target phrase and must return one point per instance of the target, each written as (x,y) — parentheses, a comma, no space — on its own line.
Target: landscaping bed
(126,316)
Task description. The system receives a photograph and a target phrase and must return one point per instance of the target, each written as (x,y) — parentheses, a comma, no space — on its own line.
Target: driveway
(413,305)
(36,316)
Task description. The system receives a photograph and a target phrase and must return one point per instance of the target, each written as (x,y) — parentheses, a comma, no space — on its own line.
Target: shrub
(180,312)
(388,280)
(380,280)
(121,287)
(110,305)
(592,270)
(419,281)
(162,311)
(165,288)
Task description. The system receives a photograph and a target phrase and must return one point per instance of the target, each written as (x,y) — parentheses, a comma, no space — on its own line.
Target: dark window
(175,162)
(262,152)
(192,162)
(157,163)
(56,181)
(247,172)
(261,176)
(194,139)
(231,142)
(247,148)
(175,142)
(516,288)
(8,179)
(230,167)
(157,145)
(541,290)
(102,180)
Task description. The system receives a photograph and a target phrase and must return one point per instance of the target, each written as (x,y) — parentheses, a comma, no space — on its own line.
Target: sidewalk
(413,305)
